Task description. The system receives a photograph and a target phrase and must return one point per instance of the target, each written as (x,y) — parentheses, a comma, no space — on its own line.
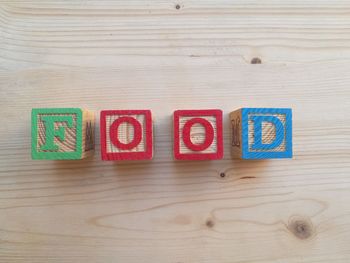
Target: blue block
(266,133)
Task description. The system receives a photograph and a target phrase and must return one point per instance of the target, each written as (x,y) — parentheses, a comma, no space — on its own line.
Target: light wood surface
(167,55)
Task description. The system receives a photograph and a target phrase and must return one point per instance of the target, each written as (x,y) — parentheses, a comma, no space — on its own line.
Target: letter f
(51,132)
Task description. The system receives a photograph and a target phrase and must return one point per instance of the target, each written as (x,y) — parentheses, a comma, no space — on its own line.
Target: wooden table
(167,55)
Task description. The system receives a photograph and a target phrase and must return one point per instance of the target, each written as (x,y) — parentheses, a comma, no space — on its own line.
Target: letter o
(137,133)
(209,134)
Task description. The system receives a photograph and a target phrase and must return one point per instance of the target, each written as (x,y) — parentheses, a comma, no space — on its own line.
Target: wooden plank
(151,54)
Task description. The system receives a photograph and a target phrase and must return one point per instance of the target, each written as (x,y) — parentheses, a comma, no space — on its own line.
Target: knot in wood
(301,228)
(255,61)
(209,223)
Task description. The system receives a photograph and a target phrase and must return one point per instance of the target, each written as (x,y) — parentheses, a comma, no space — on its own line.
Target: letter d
(279,131)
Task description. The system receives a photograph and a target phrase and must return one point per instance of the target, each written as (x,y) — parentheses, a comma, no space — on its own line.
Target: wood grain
(166,55)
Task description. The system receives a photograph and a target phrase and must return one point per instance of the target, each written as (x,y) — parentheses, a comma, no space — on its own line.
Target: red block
(198,135)
(126,135)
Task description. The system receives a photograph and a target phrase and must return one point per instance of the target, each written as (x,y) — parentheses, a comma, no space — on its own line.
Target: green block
(57,133)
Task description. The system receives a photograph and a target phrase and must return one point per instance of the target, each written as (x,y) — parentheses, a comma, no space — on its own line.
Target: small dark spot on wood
(222,175)
(255,61)
(209,223)
(301,228)
(177,6)
(247,177)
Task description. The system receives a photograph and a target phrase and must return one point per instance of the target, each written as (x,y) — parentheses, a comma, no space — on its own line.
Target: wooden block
(261,133)
(126,135)
(198,135)
(62,133)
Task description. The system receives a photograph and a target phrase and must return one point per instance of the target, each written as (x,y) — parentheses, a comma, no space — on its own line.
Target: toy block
(261,133)
(198,135)
(62,133)
(126,135)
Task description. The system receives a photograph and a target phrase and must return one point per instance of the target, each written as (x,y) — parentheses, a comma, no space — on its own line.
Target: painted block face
(126,135)
(198,135)
(62,133)
(261,133)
